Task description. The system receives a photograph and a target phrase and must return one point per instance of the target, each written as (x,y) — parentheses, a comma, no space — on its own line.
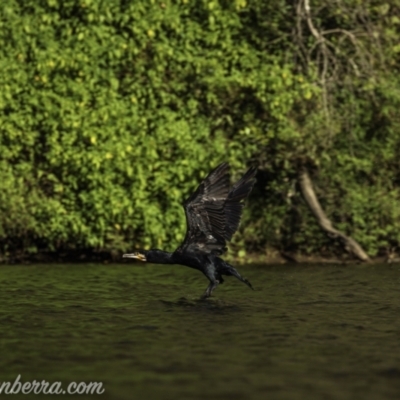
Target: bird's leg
(211,287)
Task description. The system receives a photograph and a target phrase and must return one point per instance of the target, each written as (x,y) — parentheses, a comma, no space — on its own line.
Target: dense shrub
(112,111)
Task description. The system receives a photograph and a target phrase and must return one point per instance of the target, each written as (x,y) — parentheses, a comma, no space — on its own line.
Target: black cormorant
(212,215)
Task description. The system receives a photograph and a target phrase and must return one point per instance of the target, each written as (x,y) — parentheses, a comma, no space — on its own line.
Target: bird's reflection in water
(201,305)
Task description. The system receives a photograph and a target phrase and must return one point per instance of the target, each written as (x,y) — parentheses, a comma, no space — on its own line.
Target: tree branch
(309,196)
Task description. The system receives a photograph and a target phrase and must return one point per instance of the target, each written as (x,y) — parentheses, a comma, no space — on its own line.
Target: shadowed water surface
(307,332)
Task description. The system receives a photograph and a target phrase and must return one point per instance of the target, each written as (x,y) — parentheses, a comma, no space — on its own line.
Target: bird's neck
(163,257)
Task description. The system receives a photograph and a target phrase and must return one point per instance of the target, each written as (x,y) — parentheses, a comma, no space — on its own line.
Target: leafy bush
(111,113)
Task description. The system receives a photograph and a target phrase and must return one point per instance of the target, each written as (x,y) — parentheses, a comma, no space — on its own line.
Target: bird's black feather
(213,211)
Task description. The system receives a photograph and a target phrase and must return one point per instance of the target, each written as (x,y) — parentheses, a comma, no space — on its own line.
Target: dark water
(307,332)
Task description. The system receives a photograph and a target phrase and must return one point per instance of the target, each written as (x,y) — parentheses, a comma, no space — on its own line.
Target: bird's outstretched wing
(213,211)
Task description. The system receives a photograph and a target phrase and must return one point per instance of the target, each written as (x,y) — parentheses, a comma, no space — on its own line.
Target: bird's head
(152,256)
(138,255)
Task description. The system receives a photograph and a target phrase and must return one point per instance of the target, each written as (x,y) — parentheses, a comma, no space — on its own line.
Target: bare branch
(309,196)
(313,30)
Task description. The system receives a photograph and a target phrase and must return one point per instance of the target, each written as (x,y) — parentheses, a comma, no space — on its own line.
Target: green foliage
(111,112)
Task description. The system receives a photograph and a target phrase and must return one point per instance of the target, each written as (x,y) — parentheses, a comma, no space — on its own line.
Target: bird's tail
(229,270)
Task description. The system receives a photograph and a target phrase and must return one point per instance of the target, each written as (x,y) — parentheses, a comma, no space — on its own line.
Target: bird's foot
(209,290)
(205,296)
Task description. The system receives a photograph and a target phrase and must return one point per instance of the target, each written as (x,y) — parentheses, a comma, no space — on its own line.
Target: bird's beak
(138,256)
